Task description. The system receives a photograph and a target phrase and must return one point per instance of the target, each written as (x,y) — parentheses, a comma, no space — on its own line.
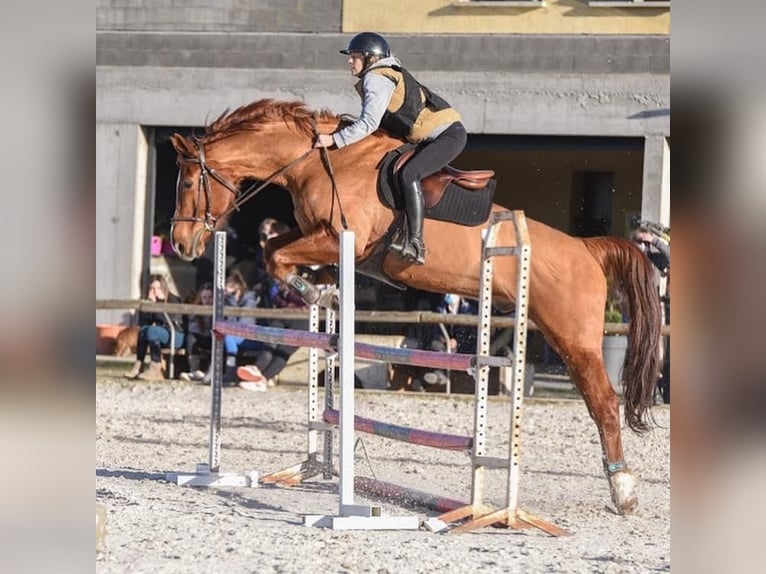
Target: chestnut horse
(271,141)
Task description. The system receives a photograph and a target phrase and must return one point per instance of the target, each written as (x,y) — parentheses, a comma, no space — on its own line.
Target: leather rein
(240,197)
(206,172)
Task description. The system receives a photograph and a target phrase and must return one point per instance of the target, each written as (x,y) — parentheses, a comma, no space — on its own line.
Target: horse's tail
(631,272)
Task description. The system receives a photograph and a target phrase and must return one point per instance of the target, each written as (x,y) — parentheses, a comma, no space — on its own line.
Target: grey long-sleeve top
(376,95)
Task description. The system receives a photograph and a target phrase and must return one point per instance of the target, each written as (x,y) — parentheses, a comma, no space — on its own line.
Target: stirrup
(415,251)
(399,242)
(396,248)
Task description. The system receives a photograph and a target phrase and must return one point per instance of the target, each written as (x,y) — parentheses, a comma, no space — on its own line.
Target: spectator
(198,334)
(452,338)
(154,332)
(237,295)
(271,359)
(655,247)
(268,229)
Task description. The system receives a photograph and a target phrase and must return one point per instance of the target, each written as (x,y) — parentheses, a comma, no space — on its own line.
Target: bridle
(210,221)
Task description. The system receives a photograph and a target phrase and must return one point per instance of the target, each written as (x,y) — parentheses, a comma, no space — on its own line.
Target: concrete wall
(121,178)
(219,15)
(467,17)
(491,54)
(564,104)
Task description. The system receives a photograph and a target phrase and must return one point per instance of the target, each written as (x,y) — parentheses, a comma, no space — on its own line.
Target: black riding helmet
(368,43)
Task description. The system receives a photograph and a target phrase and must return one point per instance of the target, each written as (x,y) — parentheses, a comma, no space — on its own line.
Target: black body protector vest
(417,97)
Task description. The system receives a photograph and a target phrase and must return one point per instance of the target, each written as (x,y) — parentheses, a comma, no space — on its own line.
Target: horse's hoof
(621,486)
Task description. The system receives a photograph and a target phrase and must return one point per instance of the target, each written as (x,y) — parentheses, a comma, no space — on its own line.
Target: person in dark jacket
(199,335)
(237,295)
(273,357)
(154,332)
(452,338)
(655,247)
(394,100)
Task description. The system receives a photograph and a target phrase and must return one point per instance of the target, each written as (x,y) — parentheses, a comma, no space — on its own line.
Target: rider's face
(356,63)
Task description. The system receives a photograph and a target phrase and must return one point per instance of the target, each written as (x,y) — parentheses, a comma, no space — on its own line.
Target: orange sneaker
(250,373)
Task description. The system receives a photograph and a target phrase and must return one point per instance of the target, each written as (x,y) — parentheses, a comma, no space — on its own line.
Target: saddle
(454,195)
(436,184)
(451,194)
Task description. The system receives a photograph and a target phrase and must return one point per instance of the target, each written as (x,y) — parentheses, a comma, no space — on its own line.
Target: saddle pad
(457,205)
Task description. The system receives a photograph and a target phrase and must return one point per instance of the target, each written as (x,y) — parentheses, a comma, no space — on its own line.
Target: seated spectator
(154,332)
(237,295)
(452,338)
(198,334)
(271,359)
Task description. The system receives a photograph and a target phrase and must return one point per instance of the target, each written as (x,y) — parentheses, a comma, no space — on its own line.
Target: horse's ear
(181,144)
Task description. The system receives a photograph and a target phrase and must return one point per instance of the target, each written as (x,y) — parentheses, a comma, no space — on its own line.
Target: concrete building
(569,101)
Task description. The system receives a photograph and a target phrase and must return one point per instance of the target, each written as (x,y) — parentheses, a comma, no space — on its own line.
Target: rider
(393,100)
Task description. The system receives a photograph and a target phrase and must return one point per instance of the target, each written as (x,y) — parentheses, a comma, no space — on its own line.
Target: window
(496,3)
(629,3)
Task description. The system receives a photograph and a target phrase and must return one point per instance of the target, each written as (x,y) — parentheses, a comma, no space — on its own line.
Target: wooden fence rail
(404,317)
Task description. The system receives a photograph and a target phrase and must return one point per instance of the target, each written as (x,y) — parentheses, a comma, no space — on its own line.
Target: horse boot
(153,372)
(135,370)
(414,204)
(307,290)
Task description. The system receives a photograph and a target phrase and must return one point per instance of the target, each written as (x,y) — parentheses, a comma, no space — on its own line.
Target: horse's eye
(188,184)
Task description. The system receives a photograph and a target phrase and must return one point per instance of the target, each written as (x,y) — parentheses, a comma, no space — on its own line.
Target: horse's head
(203,198)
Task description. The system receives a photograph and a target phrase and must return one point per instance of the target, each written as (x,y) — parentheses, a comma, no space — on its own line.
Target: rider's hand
(324,140)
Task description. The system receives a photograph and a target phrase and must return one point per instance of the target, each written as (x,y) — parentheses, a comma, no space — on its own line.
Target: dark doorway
(591,209)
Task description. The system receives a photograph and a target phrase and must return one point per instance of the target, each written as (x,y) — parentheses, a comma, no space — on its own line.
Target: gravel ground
(144,430)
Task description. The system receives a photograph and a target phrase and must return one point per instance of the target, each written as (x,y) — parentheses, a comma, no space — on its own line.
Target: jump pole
(209,473)
(352,516)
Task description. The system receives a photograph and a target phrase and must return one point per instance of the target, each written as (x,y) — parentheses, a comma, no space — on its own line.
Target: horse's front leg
(316,248)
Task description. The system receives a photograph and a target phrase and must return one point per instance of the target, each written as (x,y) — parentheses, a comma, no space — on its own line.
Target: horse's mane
(253,116)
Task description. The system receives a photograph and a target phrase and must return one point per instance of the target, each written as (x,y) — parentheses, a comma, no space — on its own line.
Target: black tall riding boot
(414,205)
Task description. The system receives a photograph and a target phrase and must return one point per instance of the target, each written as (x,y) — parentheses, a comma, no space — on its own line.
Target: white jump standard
(350,515)
(209,474)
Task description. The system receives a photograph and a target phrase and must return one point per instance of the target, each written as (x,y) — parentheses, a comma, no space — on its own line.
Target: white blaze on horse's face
(188,231)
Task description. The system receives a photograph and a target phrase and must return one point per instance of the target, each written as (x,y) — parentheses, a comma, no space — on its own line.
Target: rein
(240,197)
(206,172)
(324,154)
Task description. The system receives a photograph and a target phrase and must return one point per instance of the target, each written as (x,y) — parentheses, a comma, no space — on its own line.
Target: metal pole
(346,350)
(216,355)
(519,360)
(481,374)
(329,394)
(313,385)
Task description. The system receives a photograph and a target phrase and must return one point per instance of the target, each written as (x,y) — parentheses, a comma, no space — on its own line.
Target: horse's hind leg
(587,369)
